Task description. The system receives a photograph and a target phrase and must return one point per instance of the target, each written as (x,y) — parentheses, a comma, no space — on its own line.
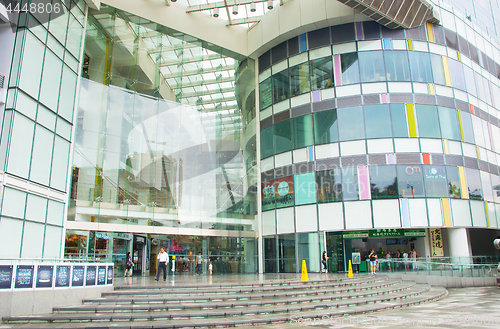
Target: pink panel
(364,183)
(338,70)
(384,98)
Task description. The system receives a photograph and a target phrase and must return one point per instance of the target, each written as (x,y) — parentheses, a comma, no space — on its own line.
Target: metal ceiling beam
(206,92)
(204,82)
(198,72)
(246,20)
(226,3)
(191,60)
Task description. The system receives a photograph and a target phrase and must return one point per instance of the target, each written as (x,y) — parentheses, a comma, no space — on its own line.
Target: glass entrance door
(335,250)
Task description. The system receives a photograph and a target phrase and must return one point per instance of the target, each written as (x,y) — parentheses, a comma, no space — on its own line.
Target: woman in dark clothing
(324,261)
(128,264)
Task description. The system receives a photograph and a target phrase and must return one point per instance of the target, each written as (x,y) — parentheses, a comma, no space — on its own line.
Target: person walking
(128,265)
(373,261)
(414,256)
(405,260)
(162,266)
(388,257)
(324,261)
(199,262)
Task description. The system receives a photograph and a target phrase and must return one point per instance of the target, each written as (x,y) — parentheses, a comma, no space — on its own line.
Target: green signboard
(415,232)
(355,234)
(384,233)
(387,233)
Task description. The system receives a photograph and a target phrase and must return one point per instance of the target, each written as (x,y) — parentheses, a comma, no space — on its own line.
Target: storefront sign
(415,232)
(44,275)
(436,242)
(355,234)
(387,233)
(383,233)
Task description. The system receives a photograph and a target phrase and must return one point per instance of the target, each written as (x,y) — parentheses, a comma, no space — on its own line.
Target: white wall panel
(434,212)
(331,216)
(431,145)
(283,159)
(358,215)
(327,151)
(380,146)
(406,145)
(478,213)
(285,220)
(306,218)
(386,213)
(461,213)
(269,222)
(418,213)
(352,148)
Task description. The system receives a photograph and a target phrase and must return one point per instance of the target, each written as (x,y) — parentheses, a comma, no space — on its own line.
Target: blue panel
(387,44)
(303,43)
(405,213)
(310,153)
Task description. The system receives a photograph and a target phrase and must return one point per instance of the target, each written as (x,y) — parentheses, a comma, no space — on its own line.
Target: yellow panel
(430,32)
(477,151)
(410,45)
(431,89)
(446,212)
(487,213)
(459,57)
(463,183)
(461,127)
(446,68)
(412,126)
(445,145)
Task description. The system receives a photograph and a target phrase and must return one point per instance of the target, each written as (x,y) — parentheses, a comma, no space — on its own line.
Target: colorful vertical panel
(431,89)
(338,70)
(364,183)
(303,43)
(427,158)
(487,213)
(405,213)
(390,159)
(384,98)
(316,96)
(471,107)
(461,126)
(447,77)
(463,183)
(359,31)
(310,154)
(458,56)
(446,147)
(477,152)
(410,45)
(387,44)
(430,32)
(490,89)
(445,202)
(412,124)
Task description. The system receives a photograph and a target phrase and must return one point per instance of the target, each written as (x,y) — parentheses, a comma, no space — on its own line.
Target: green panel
(398,120)
(302,131)
(266,142)
(428,123)
(377,121)
(325,127)
(282,137)
(304,188)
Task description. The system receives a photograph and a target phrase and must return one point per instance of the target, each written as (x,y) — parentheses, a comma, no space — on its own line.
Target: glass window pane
(377,121)
(410,181)
(453,182)
(59,25)
(351,125)
(383,182)
(329,184)
(420,66)
(59,164)
(487,188)
(299,79)
(469,80)
(33,234)
(26,105)
(321,73)
(20,146)
(474,184)
(457,74)
(427,119)
(467,128)
(304,188)
(46,117)
(67,95)
(350,68)
(13,203)
(75,31)
(42,155)
(325,127)
(265,93)
(55,213)
(282,137)
(266,142)
(495,182)
(435,181)
(52,246)
(350,186)
(437,69)
(397,66)
(63,128)
(371,64)
(281,86)
(10,232)
(448,121)
(31,70)
(302,131)
(36,208)
(51,79)
(398,120)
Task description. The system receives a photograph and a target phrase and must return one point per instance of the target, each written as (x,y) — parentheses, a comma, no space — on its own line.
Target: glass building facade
(123,130)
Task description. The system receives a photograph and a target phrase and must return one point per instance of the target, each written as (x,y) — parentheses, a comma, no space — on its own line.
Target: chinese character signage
(436,243)
(387,233)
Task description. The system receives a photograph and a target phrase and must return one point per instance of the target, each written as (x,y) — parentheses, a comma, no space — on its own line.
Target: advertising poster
(268,195)
(78,276)
(284,192)
(6,276)
(24,276)
(91,276)
(44,275)
(110,274)
(356,258)
(62,276)
(436,243)
(101,275)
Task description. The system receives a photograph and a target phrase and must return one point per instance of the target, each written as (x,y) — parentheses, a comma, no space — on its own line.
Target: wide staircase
(234,304)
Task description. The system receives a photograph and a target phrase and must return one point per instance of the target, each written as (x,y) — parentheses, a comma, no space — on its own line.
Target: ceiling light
(216,12)
(270,4)
(235,10)
(253,8)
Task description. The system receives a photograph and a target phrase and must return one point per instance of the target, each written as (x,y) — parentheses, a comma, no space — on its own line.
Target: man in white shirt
(162,266)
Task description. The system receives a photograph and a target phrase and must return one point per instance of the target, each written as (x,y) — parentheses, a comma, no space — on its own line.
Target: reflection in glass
(437,69)
(428,123)
(281,86)
(457,74)
(266,142)
(371,65)
(329,183)
(420,66)
(397,66)
(282,137)
(351,125)
(286,253)
(265,93)
(383,182)
(474,186)
(270,260)
(377,121)
(350,186)
(467,128)
(325,127)
(299,79)
(487,187)
(410,181)
(469,80)
(398,120)
(321,73)
(302,131)
(308,250)
(453,182)
(350,68)
(435,181)
(448,121)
